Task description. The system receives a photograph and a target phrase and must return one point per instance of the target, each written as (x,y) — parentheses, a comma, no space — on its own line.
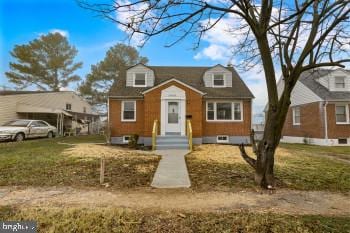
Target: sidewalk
(172,170)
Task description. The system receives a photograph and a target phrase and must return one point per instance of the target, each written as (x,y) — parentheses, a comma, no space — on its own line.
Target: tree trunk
(265,149)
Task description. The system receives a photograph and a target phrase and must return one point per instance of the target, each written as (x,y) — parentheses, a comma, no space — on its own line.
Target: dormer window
(218,80)
(139,80)
(339,82)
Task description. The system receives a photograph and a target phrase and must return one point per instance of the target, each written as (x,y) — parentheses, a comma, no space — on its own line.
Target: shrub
(133,140)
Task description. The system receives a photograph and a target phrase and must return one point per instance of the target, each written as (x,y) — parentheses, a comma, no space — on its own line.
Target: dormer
(218,77)
(337,80)
(139,76)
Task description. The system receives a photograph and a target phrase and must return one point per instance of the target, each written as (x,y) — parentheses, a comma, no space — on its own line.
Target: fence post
(102,170)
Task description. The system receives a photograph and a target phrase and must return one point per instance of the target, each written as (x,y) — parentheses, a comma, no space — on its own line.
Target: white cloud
(64,33)
(214,52)
(127,16)
(65,89)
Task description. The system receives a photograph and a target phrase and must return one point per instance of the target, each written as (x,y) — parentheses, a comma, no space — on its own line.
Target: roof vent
(229,64)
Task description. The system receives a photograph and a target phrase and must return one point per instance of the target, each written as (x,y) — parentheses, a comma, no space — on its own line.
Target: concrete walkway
(172,170)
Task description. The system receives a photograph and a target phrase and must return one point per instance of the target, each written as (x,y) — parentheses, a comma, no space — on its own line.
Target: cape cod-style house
(175,107)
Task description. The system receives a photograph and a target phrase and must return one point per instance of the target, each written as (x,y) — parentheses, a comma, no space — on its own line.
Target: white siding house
(46,106)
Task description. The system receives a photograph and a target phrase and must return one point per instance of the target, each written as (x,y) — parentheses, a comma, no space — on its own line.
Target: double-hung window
(224,111)
(296,115)
(342,114)
(139,80)
(218,80)
(129,111)
(339,82)
(68,106)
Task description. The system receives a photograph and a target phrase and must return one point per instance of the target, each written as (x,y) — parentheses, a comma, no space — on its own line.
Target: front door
(173,118)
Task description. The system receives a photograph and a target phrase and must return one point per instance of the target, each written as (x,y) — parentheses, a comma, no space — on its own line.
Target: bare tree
(291,36)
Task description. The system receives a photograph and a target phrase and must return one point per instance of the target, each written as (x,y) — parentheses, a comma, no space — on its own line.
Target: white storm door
(172,117)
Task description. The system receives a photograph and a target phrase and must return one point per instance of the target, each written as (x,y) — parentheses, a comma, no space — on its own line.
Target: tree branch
(245,156)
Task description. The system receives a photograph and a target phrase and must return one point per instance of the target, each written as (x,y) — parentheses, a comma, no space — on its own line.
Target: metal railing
(154,134)
(189,134)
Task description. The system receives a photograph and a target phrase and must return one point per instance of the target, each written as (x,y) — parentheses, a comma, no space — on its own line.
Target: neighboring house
(65,109)
(319,110)
(214,99)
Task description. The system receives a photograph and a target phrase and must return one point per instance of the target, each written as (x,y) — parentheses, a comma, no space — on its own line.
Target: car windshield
(20,123)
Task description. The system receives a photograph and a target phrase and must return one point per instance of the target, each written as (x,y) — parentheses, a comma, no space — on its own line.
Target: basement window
(342,141)
(126,138)
(222,139)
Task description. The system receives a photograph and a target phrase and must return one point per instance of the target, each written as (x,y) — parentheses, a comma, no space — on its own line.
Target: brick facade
(312,122)
(336,130)
(119,128)
(148,109)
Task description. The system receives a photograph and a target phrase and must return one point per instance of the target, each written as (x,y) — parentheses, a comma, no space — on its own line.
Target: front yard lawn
(122,220)
(220,167)
(51,162)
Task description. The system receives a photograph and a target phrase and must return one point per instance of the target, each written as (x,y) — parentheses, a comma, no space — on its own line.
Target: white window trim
(134,79)
(293,110)
(124,140)
(122,111)
(232,111)
(335,85)
(222,141)
(212,79)
(70,107)
(346,114)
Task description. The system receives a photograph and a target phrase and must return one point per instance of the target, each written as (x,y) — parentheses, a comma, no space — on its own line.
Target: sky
(24,20)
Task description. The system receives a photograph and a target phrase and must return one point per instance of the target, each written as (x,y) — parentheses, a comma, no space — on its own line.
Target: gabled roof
(309,79)
(190,75)
(171,80)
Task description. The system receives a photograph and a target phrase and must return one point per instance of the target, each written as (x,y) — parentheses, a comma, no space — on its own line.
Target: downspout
(108,124)
(325,121)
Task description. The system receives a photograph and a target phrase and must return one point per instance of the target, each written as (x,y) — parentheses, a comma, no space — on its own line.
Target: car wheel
(19,137)
(50,135)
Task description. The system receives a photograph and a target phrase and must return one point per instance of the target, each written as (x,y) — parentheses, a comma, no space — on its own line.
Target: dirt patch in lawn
(282,201)
(97,151)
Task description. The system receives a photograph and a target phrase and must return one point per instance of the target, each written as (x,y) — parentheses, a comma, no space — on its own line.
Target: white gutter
(325,121)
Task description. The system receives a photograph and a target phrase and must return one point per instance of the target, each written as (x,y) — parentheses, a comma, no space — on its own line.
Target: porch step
(172,142)
(167,139)
(172,146)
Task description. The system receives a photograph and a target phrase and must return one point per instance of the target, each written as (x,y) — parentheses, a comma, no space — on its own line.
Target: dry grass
(122,220)
(220,167)
(97,151)
(49,163)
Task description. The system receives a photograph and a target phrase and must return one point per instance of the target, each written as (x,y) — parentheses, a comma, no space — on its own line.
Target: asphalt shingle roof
(11,92)
(192,76)
(309,79)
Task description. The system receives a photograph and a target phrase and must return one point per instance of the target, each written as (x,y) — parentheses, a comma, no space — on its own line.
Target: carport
(53,116)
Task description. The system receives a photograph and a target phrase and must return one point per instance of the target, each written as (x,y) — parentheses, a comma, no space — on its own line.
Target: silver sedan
(18,130)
